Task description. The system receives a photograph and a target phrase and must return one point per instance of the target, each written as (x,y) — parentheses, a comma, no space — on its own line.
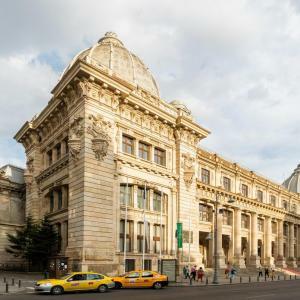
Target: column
(291,259)
(268,259)
(135,200)
(254,259)
(63,147)
(135,231)
(298,245)
(237,239)
(280,262)
(54,155)
(219,250)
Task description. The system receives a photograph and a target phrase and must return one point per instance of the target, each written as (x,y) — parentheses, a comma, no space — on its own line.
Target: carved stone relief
(188,165)
(76,130)
(29,164)
(99,130)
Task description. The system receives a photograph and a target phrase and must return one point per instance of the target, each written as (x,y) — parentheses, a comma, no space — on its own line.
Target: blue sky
(235,63)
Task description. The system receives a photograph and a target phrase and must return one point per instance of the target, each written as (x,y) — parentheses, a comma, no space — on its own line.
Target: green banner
(179,235)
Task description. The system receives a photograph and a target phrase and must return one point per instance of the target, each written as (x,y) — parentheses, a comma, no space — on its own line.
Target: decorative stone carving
(100,133)
(29,164)
(75,133)
(3,174)
(83,88)
(188,165)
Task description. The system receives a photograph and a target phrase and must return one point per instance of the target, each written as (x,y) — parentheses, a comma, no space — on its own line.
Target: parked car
(141,279)
(77,281)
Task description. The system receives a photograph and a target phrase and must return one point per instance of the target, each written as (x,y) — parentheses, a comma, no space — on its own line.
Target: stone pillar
(135,234)
(135,200)
(268,259)
(298,245)
(237,259)
(254,259)
(63,147)
(151,228)
(54,155)
(280,262)
(291,259)
(219,251)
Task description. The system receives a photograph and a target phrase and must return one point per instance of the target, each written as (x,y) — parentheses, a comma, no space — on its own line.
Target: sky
(234,63)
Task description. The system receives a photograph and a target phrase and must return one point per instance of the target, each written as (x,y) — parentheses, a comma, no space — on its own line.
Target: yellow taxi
(141,279)
(77,281)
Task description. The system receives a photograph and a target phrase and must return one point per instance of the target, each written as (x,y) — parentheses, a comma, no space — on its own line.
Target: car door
(147,279)
(94,280)
(77,282)
(132,280)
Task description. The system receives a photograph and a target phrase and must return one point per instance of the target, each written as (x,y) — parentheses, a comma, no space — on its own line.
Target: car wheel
(157,285)
(118,285)
(102,288)
(57,290)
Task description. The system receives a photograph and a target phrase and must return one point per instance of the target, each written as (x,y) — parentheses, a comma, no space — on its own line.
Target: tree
(35,242)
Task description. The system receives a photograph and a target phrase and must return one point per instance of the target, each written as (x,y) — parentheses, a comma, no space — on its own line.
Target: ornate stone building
(106,126)
(12,210)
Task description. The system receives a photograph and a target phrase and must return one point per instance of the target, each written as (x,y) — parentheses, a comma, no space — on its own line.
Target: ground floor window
(148,264)
(130,265)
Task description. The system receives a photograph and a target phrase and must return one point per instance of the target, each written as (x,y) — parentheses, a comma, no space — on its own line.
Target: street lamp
(216,266)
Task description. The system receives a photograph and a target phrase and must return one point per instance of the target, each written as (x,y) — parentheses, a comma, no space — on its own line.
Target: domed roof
(293,182)
(109,53)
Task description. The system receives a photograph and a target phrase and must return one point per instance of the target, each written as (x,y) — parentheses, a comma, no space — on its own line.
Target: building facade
(12,211)
(107,136)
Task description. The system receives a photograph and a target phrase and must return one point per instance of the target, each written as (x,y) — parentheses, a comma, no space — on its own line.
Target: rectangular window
(126,194)
(284,205)
(144,151)
(227,184)
(130,265)
(157,203)
(143,200)
(245,221)
(159,156)
(204,212)
(260,195)
(51,196)
(245,190)
(66,232)
(274,227)
(273,200)
(128,144)
(227,217)
(49,157)
(59,199)
(58,151)
(129,235)
(260,225)
(205,176)
(140,236)
(158,238)
(285,229)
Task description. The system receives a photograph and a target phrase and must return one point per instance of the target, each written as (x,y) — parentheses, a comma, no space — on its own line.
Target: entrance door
(226,245)
(204,247)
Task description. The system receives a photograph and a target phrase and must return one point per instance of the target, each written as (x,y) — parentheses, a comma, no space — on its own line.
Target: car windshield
(65,276)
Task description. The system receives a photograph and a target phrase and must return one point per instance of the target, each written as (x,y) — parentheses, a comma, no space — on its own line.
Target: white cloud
(235,63)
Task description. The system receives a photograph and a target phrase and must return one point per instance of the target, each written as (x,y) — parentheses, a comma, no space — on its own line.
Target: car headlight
(46,284)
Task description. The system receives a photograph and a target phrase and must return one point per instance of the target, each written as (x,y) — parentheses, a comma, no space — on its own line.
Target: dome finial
(111,34)
(110,37)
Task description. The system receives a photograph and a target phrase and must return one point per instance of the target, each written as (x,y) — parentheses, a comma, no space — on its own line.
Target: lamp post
(216,265)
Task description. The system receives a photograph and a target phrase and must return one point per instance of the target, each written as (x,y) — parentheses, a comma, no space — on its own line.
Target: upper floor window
(58,151)
(144,151)
(59,198)
(245,190)
(157,201)
(204,212)
(126,194)
(143,198)
(274,227)
(227,217)
(284,205)
(260,195)
(245,221)
(260,224)
(158,238)
(51,196)
(273,200)
(129,235)
(160,156)
(205,176)
(128,144)
(140,236)
(227,183)
(285,229)
(49,157)
(294,208)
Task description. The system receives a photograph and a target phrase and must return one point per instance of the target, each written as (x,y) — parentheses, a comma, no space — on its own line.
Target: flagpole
(125,226)
(160,235)
(144,235)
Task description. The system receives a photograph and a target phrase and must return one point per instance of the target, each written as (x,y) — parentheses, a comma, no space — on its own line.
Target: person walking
(194,272)
(273,273)
(232,273)
(260,273)
(200,274)
(267,272)
(186,272)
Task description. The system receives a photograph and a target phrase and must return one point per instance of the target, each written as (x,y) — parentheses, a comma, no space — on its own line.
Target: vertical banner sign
(179,235)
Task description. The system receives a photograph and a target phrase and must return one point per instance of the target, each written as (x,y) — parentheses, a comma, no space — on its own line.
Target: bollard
(284,277)
(6,288)
(241,280)
(265,278)
(278,277)
(4,279)
(191,279)
(12,281)
(230,280)
(272,278)
(295,277)
(257,278)
(249,278)
(290,277)
(206,281)
(19,283)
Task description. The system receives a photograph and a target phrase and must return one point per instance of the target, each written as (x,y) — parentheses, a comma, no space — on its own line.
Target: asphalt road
(281,290)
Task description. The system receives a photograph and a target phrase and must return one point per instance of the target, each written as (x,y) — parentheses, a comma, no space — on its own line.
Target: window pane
(160,156)
(144,151)
(128,144)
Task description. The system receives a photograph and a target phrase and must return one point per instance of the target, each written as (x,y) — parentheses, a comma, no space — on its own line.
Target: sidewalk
(236,280)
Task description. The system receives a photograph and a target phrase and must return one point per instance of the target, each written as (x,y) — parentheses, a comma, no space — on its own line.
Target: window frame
(227,183)
(126,146)
(205,176)
(161,158)
(144,148)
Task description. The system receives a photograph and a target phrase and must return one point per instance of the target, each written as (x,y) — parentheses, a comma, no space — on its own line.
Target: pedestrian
(260,273)
(227,271)
(267,272)
(186,272)
(273,272)
(200,274)
(194,272)
(232,273)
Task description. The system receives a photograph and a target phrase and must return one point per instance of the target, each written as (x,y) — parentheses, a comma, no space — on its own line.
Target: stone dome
(109,53)
(293,182)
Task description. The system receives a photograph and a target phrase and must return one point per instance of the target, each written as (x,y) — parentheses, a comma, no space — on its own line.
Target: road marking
(260,296)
